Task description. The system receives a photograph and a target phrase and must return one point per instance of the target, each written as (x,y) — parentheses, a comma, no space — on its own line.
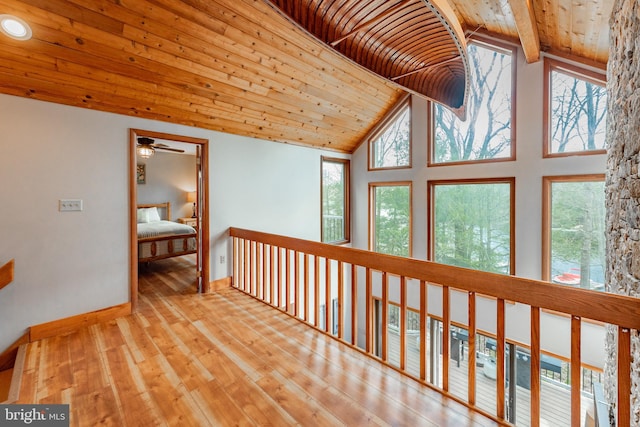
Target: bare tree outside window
(391,148)
(578,110)
(486,134)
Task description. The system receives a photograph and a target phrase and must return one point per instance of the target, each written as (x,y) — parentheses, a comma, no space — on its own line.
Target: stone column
(623,184)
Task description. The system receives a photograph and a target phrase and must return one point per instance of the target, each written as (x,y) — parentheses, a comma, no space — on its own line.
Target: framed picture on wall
(141,173)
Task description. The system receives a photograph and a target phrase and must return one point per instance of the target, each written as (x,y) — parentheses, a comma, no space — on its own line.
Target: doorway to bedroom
(169,218)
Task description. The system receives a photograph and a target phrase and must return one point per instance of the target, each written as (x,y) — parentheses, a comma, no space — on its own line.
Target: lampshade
(145,152)
(191,196)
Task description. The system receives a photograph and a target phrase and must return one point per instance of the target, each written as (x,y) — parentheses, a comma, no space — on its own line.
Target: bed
(160,238)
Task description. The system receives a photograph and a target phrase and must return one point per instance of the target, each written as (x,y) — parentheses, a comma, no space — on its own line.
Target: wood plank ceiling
(238,66)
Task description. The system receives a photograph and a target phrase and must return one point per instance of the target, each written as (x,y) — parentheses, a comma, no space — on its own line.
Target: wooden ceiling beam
(525,20)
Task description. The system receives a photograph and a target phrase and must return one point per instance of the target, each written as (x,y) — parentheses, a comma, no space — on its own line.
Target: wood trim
(8,356)
(7,273)
(576,370)
(216,285)
(73,323)
(580,302)
(535,367)
(624,377)
(16,377)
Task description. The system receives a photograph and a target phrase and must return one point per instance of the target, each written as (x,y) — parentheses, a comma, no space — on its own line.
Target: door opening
(198,218)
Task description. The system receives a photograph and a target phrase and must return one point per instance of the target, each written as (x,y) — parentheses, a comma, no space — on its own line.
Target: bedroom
(166,188)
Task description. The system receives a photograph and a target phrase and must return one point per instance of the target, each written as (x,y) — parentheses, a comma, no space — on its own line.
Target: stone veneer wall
(623,183)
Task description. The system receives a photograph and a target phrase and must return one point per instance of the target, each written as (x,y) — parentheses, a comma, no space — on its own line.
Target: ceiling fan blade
(167,148)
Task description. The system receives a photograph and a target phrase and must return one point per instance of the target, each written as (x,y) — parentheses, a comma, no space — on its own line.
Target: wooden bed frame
(176,245)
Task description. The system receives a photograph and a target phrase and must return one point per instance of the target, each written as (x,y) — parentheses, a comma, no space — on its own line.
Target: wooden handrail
(6,273)
(550,296)
(254,264)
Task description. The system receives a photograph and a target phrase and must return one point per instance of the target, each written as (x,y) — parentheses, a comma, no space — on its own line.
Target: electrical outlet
(70,205)
(222,259)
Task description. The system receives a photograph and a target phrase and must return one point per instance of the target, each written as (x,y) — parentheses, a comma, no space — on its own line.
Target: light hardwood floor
(221,359)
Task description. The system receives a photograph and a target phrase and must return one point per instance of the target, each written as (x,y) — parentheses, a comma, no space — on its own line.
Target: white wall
(169,176)
(528,169)
(76,262)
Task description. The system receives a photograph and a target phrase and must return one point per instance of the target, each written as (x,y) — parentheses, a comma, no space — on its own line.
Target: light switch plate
(70,205)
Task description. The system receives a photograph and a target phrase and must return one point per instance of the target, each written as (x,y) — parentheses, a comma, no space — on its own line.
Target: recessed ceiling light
(15,27)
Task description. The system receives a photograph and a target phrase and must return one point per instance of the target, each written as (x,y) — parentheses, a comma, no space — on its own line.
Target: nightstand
(193,222)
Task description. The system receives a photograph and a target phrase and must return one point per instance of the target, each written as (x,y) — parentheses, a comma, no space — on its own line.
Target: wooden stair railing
(6,274)
(296,275)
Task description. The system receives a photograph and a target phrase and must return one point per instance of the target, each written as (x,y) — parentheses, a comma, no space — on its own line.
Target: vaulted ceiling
(239,66)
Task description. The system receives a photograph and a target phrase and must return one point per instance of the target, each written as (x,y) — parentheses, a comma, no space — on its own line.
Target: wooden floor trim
(73,323)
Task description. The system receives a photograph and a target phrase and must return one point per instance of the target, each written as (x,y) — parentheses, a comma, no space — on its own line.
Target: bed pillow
(143,216)
(153,214)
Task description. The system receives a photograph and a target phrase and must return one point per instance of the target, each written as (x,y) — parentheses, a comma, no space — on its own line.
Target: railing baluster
(368,313)
(535,367)
(385,316)
(280,287)
(287,280)
(316,291)
(272,297)
(403,323)
(327,297)
(500,356)
(262,266)
(235,262)
(624,376)
(423,330)
(575,370)
(306,288)
(247,266)
(445,338)
(341,315)
(354,304)
(296,284)
(471,385)
(251,267)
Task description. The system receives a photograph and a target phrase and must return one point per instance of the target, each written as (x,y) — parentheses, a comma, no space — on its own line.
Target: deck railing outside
(341,291)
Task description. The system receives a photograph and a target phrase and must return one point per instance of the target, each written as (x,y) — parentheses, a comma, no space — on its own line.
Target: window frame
(498,46)
(431,184)
(371,225)
(547,182)
(381,127)
(346,196)
(574,71)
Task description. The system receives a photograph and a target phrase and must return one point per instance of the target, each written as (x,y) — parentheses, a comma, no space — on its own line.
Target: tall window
(573,239)
(390,218)
(390,147)
(335,200)
(487,133)
(472,224)
(575,110)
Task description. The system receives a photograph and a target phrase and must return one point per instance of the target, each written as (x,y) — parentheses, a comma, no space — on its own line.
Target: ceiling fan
(146,147)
